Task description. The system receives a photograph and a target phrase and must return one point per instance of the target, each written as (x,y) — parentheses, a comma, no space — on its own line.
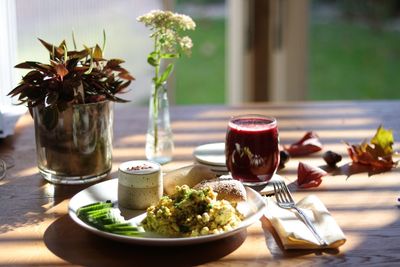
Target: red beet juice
(252,148)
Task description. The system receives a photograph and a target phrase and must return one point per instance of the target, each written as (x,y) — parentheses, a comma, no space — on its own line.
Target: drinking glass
(252,148)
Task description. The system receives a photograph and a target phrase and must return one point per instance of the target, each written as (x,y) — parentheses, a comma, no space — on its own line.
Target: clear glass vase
(74,146)
(159,138)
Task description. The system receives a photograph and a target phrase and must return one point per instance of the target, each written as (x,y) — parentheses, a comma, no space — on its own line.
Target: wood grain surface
(35,229)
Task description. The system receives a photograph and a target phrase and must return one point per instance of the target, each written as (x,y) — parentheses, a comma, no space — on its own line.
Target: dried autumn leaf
(378,153)
(384,139)
(310,143)
(309,176)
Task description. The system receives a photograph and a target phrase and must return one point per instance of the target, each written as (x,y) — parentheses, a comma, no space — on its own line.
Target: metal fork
(285,200)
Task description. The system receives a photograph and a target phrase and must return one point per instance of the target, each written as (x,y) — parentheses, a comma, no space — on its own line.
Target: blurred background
(244,50)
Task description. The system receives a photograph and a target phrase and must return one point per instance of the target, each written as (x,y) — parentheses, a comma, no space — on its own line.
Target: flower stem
(155,94)
(155,118)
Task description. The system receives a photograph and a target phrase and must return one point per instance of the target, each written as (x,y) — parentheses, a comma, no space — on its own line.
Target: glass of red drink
(252,148)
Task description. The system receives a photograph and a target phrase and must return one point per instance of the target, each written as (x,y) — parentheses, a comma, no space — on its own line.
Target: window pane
(354,50)
(201,78)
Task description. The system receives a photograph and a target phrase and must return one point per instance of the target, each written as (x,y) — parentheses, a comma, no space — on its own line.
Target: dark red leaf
(310,143)
(48,46)
(80,69)
(123,86)
(309,176)
(34,77)
(112,63)
(56,82)
(27,65)
(126,76)
(78,54)
(33,65)
(58,52)
(20,88)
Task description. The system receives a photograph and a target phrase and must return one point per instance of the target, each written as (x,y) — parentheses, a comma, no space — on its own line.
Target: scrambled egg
(190,212)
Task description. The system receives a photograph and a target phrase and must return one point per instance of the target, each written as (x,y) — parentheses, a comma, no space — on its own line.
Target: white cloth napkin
(292,231)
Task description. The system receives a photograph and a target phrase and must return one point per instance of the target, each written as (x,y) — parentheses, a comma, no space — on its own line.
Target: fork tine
(278,186)
(276,190)
(282,192)
(288,194)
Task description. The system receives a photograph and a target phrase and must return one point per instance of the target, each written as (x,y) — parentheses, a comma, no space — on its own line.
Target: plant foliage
(71,77)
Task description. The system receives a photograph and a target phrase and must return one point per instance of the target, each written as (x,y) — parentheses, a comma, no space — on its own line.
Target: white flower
(167,19)
(168,39)
(186,44)
(166,28)
(184,22)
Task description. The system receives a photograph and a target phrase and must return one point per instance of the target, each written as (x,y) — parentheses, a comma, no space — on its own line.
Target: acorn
(284,158)
(331,158)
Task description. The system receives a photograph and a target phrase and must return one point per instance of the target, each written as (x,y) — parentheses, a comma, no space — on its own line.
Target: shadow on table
(25,200)
(350,169)
(77,246)
(25,197)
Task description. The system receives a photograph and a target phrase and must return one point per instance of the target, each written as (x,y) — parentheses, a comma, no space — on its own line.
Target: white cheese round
(140,184)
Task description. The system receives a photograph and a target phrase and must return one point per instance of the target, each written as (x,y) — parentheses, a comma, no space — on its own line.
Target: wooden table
(35,228)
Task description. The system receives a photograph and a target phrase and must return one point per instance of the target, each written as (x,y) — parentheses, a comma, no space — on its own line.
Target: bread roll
(228,189)
(189,175)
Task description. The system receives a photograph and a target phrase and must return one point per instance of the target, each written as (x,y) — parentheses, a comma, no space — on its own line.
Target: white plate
(210,154)
(253,209)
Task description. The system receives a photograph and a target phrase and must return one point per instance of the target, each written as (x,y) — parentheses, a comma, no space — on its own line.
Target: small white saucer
(210,154)
(215,167)
(218,170)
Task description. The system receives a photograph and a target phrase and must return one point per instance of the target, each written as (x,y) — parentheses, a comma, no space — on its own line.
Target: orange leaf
(61,70)
(377,154)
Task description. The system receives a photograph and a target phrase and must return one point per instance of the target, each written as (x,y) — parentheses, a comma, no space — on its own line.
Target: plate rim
(211,163)
(164,241)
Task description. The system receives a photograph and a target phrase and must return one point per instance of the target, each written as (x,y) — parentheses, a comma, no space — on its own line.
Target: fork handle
(311,226)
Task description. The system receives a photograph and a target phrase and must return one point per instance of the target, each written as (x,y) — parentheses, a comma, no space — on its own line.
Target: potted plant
(70,99)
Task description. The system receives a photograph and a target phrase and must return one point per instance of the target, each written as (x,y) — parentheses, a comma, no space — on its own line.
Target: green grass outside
(200,79)
(347,61)
(350,61)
